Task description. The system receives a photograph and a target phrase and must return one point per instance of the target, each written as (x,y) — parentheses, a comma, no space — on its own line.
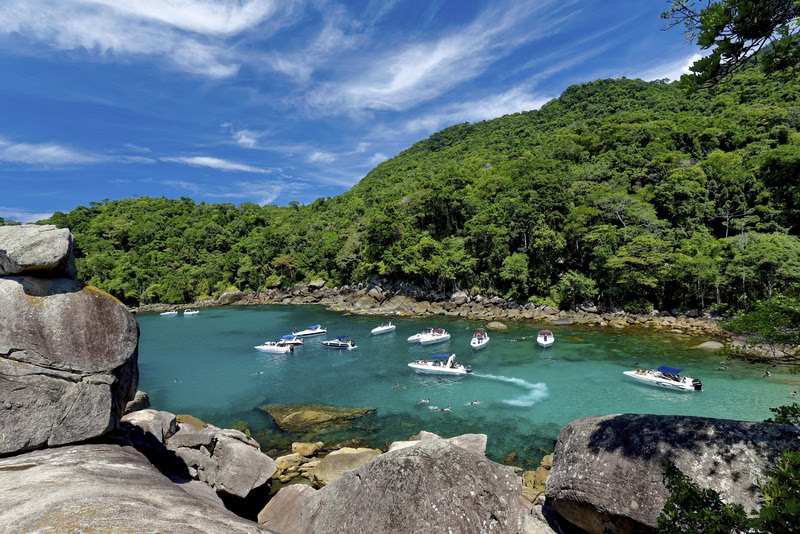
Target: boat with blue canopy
(341,342)
(313,330)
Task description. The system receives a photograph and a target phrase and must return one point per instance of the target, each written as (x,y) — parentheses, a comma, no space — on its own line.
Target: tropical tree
(734,31)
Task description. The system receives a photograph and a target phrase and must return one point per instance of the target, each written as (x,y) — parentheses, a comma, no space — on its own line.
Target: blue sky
(272,101)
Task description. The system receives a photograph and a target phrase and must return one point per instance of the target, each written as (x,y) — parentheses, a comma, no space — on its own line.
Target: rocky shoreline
(399,299)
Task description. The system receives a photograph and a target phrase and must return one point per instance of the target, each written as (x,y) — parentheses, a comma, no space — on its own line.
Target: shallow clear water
(527,393)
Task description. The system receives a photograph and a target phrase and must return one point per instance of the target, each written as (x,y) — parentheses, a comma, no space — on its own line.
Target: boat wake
(535,392)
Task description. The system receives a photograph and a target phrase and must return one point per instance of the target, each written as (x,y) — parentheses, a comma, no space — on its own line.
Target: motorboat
(479,340)
(384,328)
(437,335)
(545,338)
(341,342)
(191,311)
(313,330)
(666,377)
(416,337)
(291,339)
(442,364)
(278,346)
(171,313)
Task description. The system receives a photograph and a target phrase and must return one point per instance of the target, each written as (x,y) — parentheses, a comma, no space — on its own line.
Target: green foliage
(735,31)
(691,508)
(773,323)
(639,306)
(787,415)
(618,191)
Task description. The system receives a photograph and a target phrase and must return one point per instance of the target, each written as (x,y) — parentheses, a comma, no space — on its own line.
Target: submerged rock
(295,417)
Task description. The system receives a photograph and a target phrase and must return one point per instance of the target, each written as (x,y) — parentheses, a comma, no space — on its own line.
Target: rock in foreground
(433,486)
(607,473)
(102,488)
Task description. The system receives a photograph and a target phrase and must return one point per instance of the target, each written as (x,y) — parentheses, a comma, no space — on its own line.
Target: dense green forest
(619,192)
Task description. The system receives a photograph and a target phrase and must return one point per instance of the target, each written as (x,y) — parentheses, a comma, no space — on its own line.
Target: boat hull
(275,349)
(545,343)
(438,370)
(479,345)
(333,345)
(383,330)
(434,339)
(687,384)
(310,333)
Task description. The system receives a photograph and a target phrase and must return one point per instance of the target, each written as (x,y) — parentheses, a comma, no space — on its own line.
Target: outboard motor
(468,368)
(697,385)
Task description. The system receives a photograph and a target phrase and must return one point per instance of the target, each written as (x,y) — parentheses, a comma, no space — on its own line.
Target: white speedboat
(313,330)
(191,311)
(277,346)
(171,313)
(384,328)
(341,342)
(666,377)
(479,340)
(437,335)
(291,339)
(545,338)
(416,337)
(441,364)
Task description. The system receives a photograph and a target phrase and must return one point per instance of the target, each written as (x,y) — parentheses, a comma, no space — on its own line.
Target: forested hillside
(620,192)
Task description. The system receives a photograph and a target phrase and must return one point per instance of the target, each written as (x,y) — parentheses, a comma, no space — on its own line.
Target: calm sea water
(206,366)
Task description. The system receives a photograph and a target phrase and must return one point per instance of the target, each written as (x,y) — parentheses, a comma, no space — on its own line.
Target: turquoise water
(527,393)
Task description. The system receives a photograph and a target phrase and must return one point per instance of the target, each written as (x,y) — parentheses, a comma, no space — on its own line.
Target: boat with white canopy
(666,377)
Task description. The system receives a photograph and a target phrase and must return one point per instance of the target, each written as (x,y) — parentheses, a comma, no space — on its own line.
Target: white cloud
(512,101)
(259,192)
(201,16)
(247,138)
(215,163)
(43,154)
(189,34)
(672,70)
(135,148)
(322,157)
(376,158)
(421,71)
(22,215)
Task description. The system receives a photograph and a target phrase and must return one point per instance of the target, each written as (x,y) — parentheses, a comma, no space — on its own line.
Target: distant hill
(619,192)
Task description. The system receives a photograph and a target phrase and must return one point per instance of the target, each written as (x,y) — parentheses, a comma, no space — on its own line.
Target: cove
(205,365)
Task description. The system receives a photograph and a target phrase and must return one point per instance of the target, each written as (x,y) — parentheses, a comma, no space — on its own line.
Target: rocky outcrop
(332,467)
(68,353)
(103,488)
(282,512)
(607,471)
(295,417)
(433,486)
(41,250)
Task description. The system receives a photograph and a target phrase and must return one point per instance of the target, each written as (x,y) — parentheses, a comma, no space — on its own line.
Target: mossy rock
(295,417)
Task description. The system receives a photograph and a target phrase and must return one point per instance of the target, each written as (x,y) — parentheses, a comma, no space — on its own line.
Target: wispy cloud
(512,101)
(22,215)
(263,192)
(215,163)
(188,34)
(672,70)
(418,72)
(43,154)
(322,157)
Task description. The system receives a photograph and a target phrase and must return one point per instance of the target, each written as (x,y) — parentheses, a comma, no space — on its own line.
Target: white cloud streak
(215,163)
(22,215)
(43,154)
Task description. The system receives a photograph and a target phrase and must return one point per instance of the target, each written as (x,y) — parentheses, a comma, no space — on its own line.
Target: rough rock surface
(68,362)
(282,512)
(472,442)
(607,471)
(293,417)
(102,488)
(331,468)
(37,249)
(433,486)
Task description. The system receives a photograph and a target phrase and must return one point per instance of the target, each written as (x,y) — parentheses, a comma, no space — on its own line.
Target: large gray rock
(103,488)
(331,468)
(607,473)
(68,362)
(433,486)
(282,512)
(32,247)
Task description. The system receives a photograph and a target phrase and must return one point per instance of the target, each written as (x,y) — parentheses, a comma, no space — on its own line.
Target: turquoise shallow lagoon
(527,393)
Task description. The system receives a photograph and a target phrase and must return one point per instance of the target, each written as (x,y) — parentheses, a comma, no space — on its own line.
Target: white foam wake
(535,392)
